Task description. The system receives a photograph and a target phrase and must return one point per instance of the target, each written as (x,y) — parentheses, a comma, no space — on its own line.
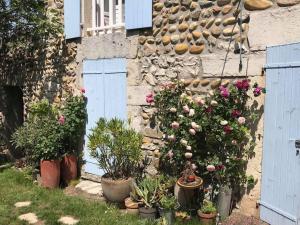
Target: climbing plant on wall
(25,28)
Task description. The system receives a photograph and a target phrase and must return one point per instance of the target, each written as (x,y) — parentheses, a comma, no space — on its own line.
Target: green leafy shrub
(74,117)
(41,135)
(116,147)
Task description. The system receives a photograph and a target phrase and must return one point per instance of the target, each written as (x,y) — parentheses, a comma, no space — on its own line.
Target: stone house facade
(194,40)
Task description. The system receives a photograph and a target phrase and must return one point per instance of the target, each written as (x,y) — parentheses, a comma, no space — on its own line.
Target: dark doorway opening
(11,117)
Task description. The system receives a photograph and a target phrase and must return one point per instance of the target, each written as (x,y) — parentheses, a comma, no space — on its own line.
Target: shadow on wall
(12,115)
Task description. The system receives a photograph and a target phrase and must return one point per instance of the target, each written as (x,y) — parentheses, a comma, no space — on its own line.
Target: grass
(50,205)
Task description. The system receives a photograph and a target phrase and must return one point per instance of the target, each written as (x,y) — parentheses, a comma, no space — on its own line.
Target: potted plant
(117,148)
(41,139)
(147,194)
(208,212)
(168,204)
(72,119)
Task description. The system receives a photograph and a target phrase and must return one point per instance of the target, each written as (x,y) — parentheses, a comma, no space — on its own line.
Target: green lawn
(50,205)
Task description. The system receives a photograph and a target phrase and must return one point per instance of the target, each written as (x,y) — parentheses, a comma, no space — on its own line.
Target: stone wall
(189,40)
(52,73)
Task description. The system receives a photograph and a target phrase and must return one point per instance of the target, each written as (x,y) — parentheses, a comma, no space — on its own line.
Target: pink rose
(61,120)
(170,154)
(186,109)
(199,101)
(171,138)
(194,167)
(192,131)
(241,120)
(82,90)
(195,126)
(211,168)
(175,125)
(150,98)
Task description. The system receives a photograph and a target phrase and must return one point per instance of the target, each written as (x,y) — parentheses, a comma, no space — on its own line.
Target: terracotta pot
(207,218)
(69,168)
(148,213)
(50,173)
(116,190)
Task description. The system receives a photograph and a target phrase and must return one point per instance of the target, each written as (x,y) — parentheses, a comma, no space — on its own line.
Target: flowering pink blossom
(186,109)
(192,131)
(183,142)
(188,155)
(214,103)
(170,154)
(192,112)
(211,168)
(257,91)
(150,98)
(242,84)
(195,126)
(199,101)
(241,120)
(220,167)
(224,91)
(61,120)
(227,129)
(171,138)
(235,113)
(175,125)
(173,110)
(82,90)
(208,109)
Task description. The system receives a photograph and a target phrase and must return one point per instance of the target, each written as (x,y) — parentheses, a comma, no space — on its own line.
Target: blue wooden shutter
(94,85)
(114,71)
(72,18)
(138,14)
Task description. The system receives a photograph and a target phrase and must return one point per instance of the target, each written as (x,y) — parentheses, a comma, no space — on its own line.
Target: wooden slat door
(280,192)
(105,84)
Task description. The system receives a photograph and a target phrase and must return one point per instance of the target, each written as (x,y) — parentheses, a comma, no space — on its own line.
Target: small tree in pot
(73,118)
(117,148)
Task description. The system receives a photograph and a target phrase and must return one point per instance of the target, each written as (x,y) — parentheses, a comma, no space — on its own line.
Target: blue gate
(105,84)
(280,192)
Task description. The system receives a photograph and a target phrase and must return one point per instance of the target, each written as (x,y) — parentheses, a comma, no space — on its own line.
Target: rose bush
(212,131)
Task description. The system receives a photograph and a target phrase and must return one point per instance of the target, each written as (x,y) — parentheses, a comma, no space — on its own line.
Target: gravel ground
(239,219)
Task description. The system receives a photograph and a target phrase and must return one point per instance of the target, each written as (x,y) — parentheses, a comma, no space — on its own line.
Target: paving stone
(22,204)
(68,220)
(31,218)
(90,187)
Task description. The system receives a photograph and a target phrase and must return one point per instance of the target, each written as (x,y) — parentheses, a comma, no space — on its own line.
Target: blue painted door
(105,84)
(280,192)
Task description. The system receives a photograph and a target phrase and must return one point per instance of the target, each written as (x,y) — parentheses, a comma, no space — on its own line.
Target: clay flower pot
(50,173)
(132,207)
(69,168)
(207,218)
(116,190)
